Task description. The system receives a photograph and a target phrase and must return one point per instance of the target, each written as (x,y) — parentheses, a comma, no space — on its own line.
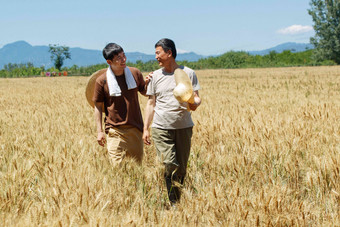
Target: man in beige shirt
(172,124)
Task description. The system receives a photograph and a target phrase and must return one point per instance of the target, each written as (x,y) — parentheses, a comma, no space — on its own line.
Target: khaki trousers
(124,141)
(173,149)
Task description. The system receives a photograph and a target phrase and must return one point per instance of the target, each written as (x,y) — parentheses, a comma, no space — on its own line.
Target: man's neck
(117,72)
(170,68)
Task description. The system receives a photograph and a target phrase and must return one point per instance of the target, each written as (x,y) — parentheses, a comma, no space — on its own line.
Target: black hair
(111,50)
(167,44)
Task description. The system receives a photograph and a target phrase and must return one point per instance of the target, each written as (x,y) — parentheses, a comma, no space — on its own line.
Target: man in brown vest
(116,94)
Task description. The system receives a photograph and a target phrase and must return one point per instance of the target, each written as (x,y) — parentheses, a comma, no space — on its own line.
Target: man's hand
(197,102)
(147,81)
(101,139)
(148,115)
(146,137)
(148,78)
(193,106)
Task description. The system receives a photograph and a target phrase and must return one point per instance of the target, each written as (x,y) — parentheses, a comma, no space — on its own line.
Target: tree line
(229,60)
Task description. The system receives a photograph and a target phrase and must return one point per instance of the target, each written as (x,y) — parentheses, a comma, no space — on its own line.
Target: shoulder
(157,72)
(188,70)
(156,75)
(101,79)
(134,70)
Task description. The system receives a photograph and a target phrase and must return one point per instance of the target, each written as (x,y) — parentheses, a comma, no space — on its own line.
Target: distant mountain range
(22,52)
(293,47)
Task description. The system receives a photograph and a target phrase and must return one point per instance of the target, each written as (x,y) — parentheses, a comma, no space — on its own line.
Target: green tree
(272,55)
(326,17)
(59,54)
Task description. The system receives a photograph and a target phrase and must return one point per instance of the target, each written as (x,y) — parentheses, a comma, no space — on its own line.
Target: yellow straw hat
(183,91)
(90,86)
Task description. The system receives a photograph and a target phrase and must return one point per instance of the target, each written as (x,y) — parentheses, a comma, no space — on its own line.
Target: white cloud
(180,51)
(295,29)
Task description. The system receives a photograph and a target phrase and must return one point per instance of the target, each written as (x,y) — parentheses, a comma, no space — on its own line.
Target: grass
(265,151)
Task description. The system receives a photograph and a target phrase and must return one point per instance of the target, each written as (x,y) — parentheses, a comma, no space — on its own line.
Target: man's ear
(169,53)
(109,62)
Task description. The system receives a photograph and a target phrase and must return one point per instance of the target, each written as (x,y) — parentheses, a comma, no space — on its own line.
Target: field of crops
(265,151)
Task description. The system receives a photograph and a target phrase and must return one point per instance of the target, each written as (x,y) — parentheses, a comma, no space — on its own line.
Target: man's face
(118,61)
(162,56)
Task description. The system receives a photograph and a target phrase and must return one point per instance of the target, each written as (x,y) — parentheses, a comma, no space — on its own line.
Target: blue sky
(207,27)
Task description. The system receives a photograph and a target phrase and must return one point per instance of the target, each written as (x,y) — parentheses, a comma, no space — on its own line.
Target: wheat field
(265,152)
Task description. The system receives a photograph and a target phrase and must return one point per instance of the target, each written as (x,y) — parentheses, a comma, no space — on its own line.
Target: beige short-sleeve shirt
(169,113)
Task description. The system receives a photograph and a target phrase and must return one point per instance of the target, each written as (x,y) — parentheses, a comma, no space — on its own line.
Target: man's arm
(196,103)
(98,107)
(146,82)
(148,116)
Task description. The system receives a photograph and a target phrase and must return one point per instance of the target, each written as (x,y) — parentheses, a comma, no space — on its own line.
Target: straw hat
(183,91)
(90,86)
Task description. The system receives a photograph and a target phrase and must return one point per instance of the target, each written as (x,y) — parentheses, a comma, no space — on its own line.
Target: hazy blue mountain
(293,47)
(22,52)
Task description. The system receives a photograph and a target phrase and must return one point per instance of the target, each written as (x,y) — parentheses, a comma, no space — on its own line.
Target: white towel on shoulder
(114,88)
